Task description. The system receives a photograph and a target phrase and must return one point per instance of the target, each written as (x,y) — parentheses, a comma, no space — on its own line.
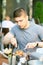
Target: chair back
(5,30)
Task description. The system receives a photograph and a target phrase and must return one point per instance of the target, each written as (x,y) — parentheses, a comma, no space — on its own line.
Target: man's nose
(19,23)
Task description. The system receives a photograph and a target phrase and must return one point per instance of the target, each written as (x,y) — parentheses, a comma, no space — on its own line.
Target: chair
(5,30)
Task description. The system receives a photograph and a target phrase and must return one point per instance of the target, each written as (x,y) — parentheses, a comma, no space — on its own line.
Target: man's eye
(16,21)
(21,20)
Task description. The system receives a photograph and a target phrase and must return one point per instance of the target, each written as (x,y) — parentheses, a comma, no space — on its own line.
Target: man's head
(21,17)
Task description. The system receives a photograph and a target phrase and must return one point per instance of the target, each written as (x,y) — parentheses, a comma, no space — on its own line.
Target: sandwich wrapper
(38,53)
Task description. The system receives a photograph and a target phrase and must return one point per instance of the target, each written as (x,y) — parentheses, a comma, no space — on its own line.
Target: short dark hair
(18,12)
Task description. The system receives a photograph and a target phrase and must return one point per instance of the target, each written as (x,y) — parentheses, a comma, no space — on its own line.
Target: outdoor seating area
(21,32)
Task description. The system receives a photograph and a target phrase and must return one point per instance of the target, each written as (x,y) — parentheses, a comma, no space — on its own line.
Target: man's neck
(28,24)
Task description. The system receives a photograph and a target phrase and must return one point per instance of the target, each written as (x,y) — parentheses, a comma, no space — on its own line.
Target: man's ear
(27,17)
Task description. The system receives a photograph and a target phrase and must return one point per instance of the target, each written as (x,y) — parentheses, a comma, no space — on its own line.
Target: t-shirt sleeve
(12,31)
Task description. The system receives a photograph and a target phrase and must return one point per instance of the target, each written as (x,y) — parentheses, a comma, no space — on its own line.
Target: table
(3,59)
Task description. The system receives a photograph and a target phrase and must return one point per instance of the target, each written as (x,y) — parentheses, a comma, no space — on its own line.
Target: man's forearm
(40,44)
(7,38)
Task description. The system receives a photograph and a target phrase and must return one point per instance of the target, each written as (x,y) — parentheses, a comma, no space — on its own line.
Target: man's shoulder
(15,26)
(14,29)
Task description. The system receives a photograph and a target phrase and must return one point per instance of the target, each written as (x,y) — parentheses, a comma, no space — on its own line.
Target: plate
(2,53)
(7,51)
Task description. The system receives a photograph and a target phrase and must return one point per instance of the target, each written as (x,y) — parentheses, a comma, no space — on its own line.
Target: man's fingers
(27,46)
(30,45)
(14,42)
(15,45)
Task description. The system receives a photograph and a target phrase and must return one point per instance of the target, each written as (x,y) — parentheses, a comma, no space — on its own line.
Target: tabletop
(3,59)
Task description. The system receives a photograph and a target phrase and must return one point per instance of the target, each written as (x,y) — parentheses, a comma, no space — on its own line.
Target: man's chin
(21,27)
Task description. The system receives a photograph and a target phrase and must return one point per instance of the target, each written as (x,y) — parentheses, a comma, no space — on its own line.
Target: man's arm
(40,44)
(9,38)
(34,44)
(31,45)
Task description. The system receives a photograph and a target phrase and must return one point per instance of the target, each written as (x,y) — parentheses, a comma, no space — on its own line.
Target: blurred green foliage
(38,11)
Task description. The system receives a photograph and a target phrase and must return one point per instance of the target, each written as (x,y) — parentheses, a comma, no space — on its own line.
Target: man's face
(21,21)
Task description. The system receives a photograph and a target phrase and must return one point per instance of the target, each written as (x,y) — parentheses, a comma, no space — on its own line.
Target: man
(25,34)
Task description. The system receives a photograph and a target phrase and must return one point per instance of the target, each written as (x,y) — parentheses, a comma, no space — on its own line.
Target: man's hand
(9,38)
(40,44)
(31,45)
(14,42)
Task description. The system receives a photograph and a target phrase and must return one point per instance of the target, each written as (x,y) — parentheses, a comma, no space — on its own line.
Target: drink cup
(9,59)
(13,60)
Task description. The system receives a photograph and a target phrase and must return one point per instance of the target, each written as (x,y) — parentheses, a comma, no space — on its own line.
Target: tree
(38,11)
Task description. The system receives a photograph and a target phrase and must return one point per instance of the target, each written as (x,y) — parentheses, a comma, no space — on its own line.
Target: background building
(8,6)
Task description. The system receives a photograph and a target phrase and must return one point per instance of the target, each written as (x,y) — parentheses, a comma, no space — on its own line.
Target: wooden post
(3,9)
(30,8)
